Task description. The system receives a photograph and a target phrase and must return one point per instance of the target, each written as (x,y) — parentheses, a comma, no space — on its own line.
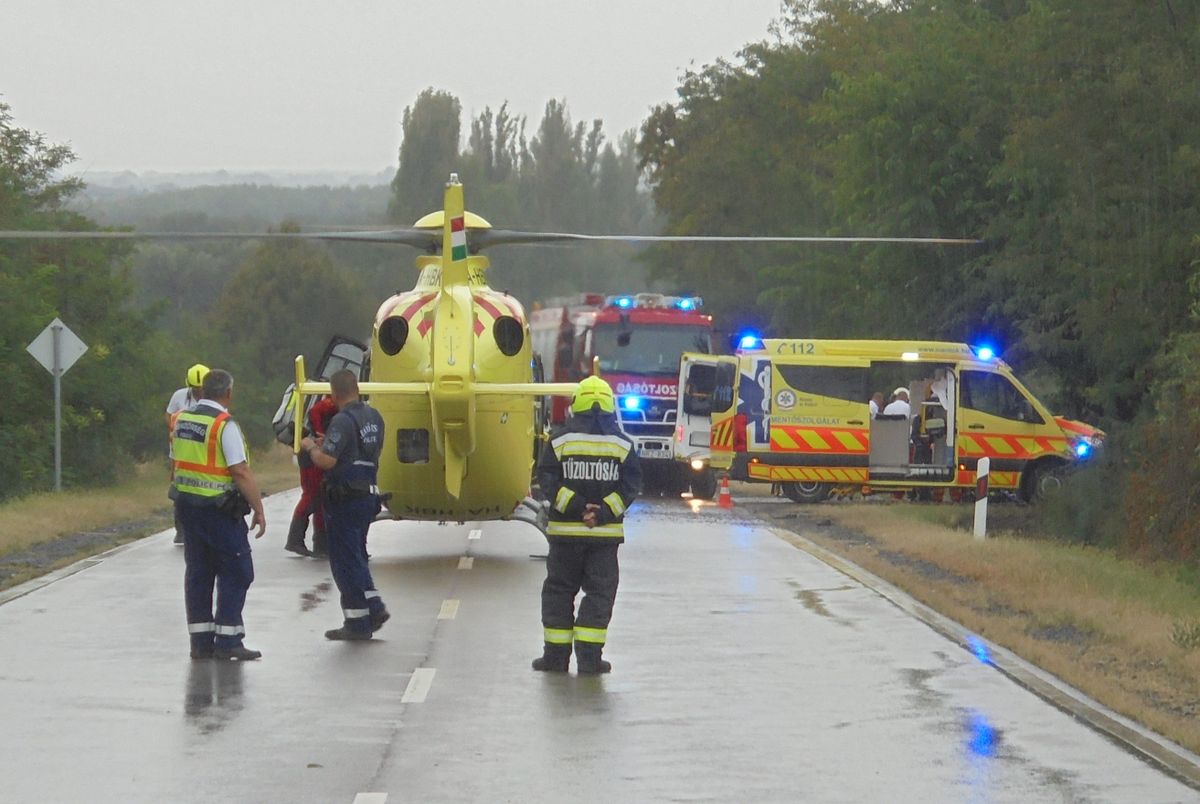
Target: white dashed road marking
(449,610)
(370,798)
(475,534)
(466,562)
(418,685)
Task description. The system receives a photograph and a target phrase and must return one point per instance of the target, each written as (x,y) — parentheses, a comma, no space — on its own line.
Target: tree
(288,298)
(429,153)
(111,411)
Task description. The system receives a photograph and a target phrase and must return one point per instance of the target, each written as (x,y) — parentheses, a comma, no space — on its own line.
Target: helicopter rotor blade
(478,239)
(420,238)
(495,237)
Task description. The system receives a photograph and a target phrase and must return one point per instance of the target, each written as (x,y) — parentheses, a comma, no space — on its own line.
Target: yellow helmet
(196,375)
(593,391)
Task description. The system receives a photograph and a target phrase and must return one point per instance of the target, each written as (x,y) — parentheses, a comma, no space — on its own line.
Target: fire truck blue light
(632,403)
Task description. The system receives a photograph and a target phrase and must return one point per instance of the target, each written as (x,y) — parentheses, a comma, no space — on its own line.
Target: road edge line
(54,576)
(1171,757)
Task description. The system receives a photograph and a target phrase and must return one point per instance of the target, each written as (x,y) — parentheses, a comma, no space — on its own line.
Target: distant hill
(234,207)
(153,180)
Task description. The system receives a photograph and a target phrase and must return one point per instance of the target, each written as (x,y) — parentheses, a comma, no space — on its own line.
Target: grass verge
(1127,633)
(44,531)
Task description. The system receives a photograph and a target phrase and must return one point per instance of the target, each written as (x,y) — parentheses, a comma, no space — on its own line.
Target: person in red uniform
(310,489)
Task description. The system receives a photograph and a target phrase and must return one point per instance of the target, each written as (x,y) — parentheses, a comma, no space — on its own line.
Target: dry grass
(46,516)
(1117,629)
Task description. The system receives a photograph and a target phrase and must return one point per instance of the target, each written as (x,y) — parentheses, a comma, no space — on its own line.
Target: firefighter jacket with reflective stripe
(200,467)
(589,460)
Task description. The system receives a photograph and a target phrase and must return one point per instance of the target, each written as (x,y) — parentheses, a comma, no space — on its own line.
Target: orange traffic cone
(724,500)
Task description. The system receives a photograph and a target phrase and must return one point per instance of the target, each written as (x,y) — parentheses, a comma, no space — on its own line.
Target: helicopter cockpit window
(509,335)
(392,334)
(647,348)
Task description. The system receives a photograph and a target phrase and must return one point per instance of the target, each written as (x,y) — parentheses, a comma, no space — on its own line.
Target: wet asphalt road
(745,670)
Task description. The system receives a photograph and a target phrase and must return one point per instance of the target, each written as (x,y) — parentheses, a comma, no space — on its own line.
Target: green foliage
(288,298)
(428,155)
(111,412)
(1186,634)
(566,177)
(1064,132)
(1078,513)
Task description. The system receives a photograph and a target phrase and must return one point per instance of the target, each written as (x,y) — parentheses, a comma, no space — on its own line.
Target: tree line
(1064,133)
(149,311)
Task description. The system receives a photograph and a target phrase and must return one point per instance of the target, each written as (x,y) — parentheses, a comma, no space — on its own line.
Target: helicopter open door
(705,388)
(344,353)
(341,352)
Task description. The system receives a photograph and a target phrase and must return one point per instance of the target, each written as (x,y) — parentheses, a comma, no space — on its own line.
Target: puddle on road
(811,599)
(316,596)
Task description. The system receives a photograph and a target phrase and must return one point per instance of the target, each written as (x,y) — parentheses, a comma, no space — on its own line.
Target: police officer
(349,454)
(215,489)
(589,472)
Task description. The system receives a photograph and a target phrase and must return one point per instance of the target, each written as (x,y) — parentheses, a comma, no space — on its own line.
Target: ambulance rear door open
(706,390)
(919,447)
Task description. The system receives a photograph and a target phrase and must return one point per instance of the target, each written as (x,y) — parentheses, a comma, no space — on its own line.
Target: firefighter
(349,454)
(183,399)
(215,489)
(589,472)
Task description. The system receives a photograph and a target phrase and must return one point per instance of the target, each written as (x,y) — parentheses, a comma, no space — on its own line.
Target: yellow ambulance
(804,414)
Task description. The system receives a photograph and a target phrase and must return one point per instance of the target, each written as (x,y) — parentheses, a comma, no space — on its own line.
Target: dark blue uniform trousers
(346,524)
(216,551)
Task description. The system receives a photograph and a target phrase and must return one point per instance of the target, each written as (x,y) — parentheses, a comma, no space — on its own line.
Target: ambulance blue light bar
(749,341)
(985,352)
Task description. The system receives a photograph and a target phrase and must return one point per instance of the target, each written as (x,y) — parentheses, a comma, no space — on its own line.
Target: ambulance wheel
(1043,480)
(806,491)
(703,484)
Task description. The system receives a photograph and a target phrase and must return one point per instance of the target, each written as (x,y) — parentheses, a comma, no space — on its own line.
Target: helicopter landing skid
(532,511)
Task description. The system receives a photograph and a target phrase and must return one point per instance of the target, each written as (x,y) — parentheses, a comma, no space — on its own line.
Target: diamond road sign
(70,348)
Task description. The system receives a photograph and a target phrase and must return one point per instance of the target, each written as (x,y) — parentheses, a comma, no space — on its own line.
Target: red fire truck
(639,339)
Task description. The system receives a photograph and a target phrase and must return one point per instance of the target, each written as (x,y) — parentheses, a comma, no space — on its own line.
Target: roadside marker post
(981,495)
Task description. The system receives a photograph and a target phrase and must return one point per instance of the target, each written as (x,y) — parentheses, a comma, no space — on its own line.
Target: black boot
(295,538)
(588,661)
(320,548)
(554,659)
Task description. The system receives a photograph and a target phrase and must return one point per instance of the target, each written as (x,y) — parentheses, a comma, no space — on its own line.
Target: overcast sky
(303,85)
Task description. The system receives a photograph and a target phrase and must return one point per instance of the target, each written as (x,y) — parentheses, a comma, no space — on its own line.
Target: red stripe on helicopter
(478,325)
(510,304)
(417,305)
(487,306)
(457,224)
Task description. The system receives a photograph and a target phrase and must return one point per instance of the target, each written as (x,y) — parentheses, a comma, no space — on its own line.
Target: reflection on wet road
(744,670)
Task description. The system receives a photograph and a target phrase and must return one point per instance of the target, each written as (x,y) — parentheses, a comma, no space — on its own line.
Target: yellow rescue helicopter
(451,364)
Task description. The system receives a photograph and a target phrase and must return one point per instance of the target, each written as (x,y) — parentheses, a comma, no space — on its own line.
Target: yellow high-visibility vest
(200,467)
